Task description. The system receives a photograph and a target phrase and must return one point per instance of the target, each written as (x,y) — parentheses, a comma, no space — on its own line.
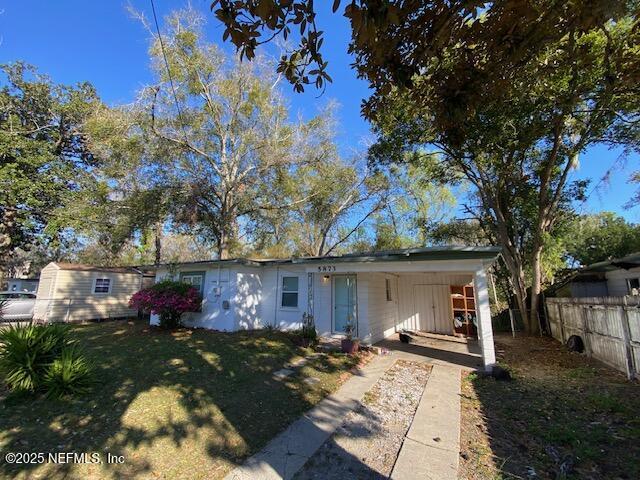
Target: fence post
(560,322)
(585,329)
(626,338)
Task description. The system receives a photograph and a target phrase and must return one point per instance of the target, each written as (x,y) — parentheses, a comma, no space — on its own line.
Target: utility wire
(166,63)
(602,180)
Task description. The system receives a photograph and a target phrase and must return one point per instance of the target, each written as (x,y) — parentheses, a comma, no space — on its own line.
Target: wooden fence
(609,328)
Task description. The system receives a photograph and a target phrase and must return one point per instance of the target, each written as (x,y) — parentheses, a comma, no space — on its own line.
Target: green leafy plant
(41,357)
(308,331)
(69,374)
(168,299)
(26,351)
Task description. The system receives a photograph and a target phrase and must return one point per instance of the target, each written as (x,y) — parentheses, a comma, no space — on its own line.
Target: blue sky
(98,41)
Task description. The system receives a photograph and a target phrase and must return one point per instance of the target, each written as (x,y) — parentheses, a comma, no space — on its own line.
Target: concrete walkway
(431,448)
(288,452)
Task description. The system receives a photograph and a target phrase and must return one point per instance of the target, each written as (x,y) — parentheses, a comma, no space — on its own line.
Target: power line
(166,63)
(602,180)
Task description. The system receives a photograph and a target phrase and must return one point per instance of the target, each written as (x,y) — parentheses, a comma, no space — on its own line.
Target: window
(634,286)
(102,285)
(289,292)
(195,279)
(387,286)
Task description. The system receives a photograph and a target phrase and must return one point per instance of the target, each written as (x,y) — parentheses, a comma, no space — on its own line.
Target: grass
(188,404)
(563,416)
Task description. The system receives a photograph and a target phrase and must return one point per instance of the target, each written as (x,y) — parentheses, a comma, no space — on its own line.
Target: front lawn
(188,404)
(563,416)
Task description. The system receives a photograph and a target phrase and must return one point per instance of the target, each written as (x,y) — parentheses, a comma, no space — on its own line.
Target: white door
(432,308)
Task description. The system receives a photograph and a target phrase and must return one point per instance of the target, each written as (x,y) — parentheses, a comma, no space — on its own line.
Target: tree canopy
(43,154)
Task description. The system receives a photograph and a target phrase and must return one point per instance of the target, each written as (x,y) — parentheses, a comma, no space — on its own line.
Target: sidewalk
(288,452)
(431,449)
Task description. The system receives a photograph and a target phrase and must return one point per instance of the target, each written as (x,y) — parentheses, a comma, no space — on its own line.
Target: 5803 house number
(327,268)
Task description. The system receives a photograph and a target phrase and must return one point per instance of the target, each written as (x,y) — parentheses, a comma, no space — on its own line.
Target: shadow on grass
(563,415)
(191,403)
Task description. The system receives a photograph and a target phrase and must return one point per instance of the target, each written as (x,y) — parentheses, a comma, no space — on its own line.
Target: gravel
(367,443)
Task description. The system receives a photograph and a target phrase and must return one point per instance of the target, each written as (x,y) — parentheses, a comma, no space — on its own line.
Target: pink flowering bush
(169,300)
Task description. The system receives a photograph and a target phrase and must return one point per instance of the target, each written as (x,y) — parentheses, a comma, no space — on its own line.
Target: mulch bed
(367,444)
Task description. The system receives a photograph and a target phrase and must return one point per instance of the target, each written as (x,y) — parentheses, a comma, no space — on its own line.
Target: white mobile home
(611,278)
(70,292)
(433,289)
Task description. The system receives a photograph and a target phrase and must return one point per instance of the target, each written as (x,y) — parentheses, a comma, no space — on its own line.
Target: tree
(417,203)
(221,129)
(518,148)
(511,93)
(331,200)
(43,154)
(602,236)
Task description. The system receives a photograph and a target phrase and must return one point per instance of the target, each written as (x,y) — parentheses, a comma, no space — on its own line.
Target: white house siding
(272,311)
(617,281)
(213,315)
(248,298)
(382,315)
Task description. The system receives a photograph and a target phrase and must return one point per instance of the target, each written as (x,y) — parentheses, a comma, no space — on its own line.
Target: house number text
(327,268)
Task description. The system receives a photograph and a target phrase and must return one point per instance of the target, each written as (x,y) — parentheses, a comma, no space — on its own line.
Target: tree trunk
(158,243)
(536,282)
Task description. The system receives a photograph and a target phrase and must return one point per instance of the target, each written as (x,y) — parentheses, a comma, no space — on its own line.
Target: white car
(17,305)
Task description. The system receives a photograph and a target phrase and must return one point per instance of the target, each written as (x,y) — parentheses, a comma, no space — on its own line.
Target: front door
(345,303)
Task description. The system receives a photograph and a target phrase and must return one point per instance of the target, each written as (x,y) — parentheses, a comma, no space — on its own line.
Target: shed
(71,292)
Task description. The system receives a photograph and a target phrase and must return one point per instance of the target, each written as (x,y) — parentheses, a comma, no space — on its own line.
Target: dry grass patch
(563,416)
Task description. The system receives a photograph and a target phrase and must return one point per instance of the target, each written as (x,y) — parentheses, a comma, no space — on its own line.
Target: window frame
(95,285)
(287,291)
(199,273)
(629,287)
(388,290)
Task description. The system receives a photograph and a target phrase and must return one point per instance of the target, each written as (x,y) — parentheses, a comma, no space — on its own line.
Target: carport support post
(483,312)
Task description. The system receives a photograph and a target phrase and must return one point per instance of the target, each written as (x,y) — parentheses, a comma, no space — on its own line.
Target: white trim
(283,291)
(95,281)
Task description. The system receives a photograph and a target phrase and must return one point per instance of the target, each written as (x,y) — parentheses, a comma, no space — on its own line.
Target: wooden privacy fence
(609,328)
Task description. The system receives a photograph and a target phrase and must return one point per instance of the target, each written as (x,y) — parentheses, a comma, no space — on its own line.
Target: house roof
(408,254)
(93,268)
(625,263)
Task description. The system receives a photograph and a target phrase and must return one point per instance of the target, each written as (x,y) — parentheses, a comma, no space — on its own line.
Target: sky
(99,42)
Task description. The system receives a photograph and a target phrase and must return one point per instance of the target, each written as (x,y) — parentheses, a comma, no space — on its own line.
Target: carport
(427,289)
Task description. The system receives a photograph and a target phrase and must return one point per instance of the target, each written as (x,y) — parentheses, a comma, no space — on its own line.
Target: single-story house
(70,292)
(22,284)
(434,289)
(611,278)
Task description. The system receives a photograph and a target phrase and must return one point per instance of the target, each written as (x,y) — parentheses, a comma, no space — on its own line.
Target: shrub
(26,351)
(69,374)
(168,299)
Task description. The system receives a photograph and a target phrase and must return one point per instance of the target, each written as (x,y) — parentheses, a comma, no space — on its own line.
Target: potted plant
(349,344)
(307,335)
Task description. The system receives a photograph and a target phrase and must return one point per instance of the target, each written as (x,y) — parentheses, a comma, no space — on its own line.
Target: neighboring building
(380,293)
(74,293)
(611,278)
(22,285)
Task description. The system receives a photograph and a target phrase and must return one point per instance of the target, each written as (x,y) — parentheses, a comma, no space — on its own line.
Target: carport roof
(407,254)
